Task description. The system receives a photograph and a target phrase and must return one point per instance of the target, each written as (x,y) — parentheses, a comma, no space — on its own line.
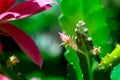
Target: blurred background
(43,29)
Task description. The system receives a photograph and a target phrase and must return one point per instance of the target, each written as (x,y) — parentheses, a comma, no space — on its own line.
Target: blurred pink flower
(2,77)
(9,11)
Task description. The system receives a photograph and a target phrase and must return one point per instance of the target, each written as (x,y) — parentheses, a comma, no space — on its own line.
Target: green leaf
(74,69)
(96,22)
(71,14)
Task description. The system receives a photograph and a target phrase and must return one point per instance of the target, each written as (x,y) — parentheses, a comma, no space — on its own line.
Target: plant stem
(85,64)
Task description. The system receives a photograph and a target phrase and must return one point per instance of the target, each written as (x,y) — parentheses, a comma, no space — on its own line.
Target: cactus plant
(93,37)
(85,64)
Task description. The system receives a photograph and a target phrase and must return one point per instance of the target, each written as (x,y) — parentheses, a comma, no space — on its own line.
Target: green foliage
(92,13)
(96,22)
(71,13)
(74,69)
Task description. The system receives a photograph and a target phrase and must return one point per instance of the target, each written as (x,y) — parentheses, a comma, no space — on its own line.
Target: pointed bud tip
(59,33)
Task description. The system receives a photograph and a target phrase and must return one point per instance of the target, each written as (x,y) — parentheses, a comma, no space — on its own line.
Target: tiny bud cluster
(67,40)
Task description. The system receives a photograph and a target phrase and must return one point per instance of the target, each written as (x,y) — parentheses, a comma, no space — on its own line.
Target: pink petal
(42,3)
(65,38)
(6,16)
(24,42)
(29,8)
(2,77)
(6,4)
(0,47)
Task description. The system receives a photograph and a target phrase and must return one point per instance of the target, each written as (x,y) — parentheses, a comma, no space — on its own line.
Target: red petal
(28,8)
(0,47)
(6,4)
(24,42)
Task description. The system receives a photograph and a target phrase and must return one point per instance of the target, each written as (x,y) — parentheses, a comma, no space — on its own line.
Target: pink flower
(2,77)
(9,11)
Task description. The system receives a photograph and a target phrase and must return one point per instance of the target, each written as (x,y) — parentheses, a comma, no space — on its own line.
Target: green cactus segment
(84,44)
(110,60)
(74,70)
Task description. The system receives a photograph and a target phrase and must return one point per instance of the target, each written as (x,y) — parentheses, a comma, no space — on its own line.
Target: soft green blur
(43,29)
